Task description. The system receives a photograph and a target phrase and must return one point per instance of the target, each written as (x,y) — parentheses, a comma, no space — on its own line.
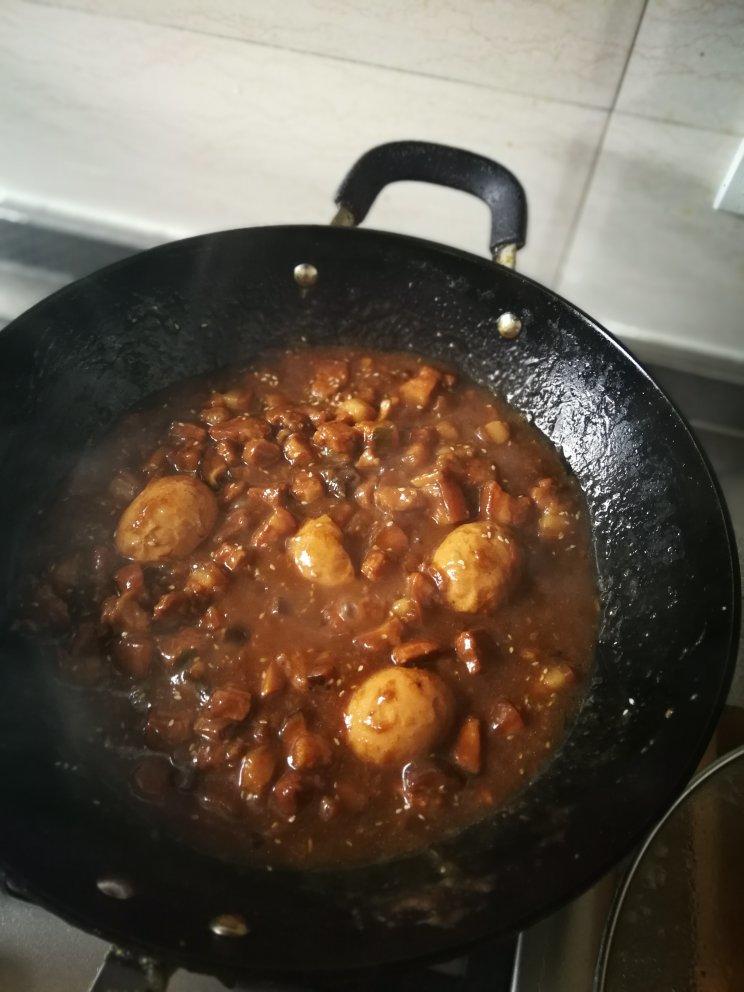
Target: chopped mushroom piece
(287,792)
(124,614)
(232,557)
(205,579)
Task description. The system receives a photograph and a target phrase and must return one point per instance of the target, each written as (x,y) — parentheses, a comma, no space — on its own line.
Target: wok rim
(666,796)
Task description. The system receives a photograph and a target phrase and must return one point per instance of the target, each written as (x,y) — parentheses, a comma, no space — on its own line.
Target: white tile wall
(160,129)
(688,64)
(563,49)
(161,119)
(651,258)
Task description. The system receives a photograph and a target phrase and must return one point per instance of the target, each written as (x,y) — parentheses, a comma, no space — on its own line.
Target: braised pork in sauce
(352,592)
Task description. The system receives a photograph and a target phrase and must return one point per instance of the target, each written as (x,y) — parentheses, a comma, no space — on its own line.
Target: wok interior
(71,367)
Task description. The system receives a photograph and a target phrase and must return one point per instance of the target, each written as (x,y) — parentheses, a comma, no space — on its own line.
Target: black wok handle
(426,162)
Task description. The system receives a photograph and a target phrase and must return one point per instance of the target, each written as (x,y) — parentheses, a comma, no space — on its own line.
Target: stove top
(40,953)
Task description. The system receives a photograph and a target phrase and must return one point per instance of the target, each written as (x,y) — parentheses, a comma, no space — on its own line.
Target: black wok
(665,558)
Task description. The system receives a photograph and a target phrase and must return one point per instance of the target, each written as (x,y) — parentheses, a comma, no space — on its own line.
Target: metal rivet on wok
(229,925)
(509,325)
(116,888)
(305,274)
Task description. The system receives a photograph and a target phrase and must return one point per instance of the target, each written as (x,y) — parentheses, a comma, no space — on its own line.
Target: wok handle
(123,971)
(426,162)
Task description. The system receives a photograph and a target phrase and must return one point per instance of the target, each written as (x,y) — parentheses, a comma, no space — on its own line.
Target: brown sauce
(245,555)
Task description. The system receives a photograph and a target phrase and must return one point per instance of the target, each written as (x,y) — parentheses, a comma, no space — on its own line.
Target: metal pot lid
(677,923)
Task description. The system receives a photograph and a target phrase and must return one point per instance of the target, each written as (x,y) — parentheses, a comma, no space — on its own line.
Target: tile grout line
(571,236)
(343,60)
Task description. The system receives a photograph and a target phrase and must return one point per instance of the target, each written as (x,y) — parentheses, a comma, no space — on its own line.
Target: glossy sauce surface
(351,593)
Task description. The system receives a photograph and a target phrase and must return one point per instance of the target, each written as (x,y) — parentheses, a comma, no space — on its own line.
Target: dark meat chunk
(230,703)
(398,499)
(330,375)
(272,680)
(414,651)
(134,656)
(447,500)
(298,451)
(213,468)
(422,588)
(232,557)
(241,429)
(498,505)
(124,614)
(392,540)
(505,718)
(306,487)
(308,750)
(205,579)
(166,728)
(337,439)
(287,793)
(261,453)
(172,604)
(186,641)
(257,770)
(187,434)
(472,648)
(426,785)
(466,752)
(278,526)
(130,578)
(382,638)
(374,564)
(419,391)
